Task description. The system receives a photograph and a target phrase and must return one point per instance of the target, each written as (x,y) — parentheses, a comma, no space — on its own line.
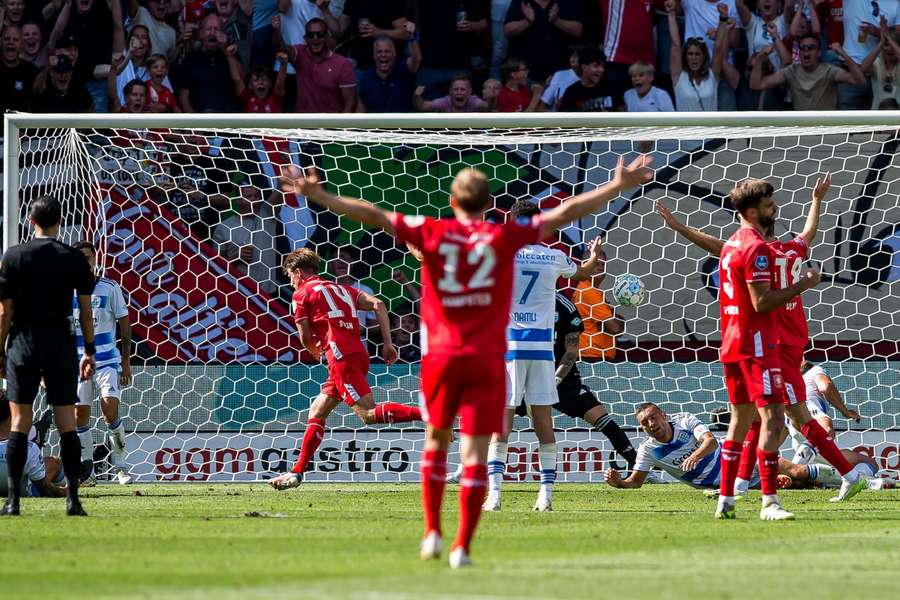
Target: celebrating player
(792,336)
(326,316)
(467,276)
(530,372)
(113,368)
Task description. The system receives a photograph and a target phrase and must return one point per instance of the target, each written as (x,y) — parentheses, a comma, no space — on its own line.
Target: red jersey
(467,280)
(831,14)
(746,258)
(628,30)
(791,318)
(252,104)
(161,95)
(331,310)
(513,101)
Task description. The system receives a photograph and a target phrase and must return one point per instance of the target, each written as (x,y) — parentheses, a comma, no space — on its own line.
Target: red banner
(190,305)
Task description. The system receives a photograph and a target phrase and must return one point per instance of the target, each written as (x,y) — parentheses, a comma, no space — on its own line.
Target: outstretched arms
(823,184)
(708,242)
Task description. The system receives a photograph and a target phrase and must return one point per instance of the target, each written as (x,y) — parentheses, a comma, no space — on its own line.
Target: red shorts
(473,387)
(791,358)
(754,380)
(347,379)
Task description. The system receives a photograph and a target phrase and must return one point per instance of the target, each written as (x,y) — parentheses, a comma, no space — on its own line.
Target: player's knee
(110,409)
(82,415)
(437,439)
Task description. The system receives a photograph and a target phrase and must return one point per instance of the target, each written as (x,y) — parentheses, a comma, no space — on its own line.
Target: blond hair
(471,190)
(640,68)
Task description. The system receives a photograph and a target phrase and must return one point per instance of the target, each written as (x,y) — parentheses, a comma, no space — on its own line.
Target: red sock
(748,452)
(821,441)
(730,461)
(392,412)
(315,431)
(473,485)
(768,471)
(434,473)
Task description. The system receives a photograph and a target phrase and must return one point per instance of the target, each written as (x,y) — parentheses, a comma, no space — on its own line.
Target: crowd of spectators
(447,55)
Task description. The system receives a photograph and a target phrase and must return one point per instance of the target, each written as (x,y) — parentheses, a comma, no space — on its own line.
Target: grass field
(361,541)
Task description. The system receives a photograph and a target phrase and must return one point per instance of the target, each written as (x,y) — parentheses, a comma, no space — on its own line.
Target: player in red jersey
(326,317)
(467,282)
(793,335)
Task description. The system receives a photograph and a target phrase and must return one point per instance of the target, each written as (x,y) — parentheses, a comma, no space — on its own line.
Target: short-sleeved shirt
(812,90)
(568,321)
(513,100)
(543,46)
(163,39)
(745,259)
(163,95)
(331,309)
(628,31)
(252,104)
(40,277)
(855,12)
(656,100)
(382,14)
(445,104)
(107,307)
(812,388)
(687,432)
(393,94)
(467,280)
(592,306)
(293,22)
(558,85)
(793,329)
(580,98)
(34,466)
(319,83)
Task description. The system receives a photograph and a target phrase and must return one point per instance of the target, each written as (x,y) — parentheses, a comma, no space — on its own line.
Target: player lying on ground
(792,336)
(326,316)
(39,475)
(467,280)
(683,447)
(113,369)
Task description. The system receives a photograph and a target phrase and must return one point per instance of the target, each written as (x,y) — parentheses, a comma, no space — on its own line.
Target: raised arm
(586,269)
(420,103)
(757,80)
(708,242)
(414,61)
(235,70)
(675,36)
(743,12)
(636,173)
(291,51)
(720,47)
(853,74)
(293,181)
(370,302)
(61,21)
(823,184)
(784,54)
(868,62)
(281,76)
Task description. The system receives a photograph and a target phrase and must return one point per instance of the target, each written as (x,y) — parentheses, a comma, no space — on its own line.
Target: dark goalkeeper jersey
(568,320)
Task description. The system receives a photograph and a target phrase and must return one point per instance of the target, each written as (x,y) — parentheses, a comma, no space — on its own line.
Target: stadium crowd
(447,55)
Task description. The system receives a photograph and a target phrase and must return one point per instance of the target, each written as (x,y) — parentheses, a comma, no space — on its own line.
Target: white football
(628,290)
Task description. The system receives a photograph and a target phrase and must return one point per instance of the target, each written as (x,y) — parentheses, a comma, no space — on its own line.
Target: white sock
(117,433)
(865,470)
(852,475)
(458,472)
(768,500)
(823,474)
(547,456)
(741,486)
(87,442)
(496,464)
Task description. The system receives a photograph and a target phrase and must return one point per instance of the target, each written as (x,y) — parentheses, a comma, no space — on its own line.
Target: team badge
(761,262)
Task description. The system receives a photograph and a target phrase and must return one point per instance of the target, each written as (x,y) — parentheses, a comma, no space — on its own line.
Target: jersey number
(481,254)
(533,277)
(725,276)
(340,293)
(781,263)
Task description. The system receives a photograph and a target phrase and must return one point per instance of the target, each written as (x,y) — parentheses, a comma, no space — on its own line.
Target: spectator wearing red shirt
(160,97)
(259,94)
(516,95)
(326,82)
(628,39)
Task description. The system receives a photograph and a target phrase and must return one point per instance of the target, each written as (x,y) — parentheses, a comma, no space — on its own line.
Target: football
(628,290)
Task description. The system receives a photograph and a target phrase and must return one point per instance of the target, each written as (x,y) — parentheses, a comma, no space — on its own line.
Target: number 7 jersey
(467,280)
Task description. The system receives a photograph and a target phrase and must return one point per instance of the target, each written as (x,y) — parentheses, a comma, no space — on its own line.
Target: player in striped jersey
(683,447)
(113,368)
(530,369)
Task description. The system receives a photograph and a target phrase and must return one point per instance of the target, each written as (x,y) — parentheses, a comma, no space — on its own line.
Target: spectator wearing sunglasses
(326,82)
(813,84)
(883,65)
(695,78)
(764,28)
(862,25)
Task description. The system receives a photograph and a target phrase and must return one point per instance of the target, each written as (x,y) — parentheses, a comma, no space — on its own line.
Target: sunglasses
(876,10)
(809,47)
(315,34)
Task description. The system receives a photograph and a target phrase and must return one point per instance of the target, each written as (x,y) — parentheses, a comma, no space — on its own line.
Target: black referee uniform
(37,282)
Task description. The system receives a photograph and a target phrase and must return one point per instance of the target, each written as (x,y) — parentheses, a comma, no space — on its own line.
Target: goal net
(188,220)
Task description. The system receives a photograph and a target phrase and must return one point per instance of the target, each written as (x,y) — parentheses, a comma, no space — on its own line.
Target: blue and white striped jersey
(108,306)
(533,310)
(686,433)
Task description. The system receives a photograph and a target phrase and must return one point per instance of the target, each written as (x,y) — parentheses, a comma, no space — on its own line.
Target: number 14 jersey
(467,280)
(332,312)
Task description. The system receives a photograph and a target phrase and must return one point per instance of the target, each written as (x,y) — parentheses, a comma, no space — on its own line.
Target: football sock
(86,440)
(434,472)
(315,431)
(496,464)
(608,427)
(823,474)
(748,453)
(866,470)
(823,442)
(70,455)
(768,471)
(393,412)
(547,458)
(117,433)
(471,496)
(730,461)
(804,453)
(16,455)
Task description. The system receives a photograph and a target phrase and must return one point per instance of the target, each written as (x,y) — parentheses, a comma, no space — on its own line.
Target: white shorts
(817,409)
(104,384)
(533,380)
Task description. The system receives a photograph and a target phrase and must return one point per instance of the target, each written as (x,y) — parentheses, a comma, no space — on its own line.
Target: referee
(38,280)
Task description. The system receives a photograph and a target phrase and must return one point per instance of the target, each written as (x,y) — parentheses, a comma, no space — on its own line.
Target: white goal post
(186,216)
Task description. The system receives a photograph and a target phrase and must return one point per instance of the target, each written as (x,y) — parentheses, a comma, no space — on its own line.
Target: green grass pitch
(361,541)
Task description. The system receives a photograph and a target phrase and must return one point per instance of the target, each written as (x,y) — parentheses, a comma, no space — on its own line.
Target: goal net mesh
(190,223)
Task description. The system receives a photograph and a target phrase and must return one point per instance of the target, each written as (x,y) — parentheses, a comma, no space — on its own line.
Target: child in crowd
(646,97)
(516,95)
(160,97)
(259,94)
